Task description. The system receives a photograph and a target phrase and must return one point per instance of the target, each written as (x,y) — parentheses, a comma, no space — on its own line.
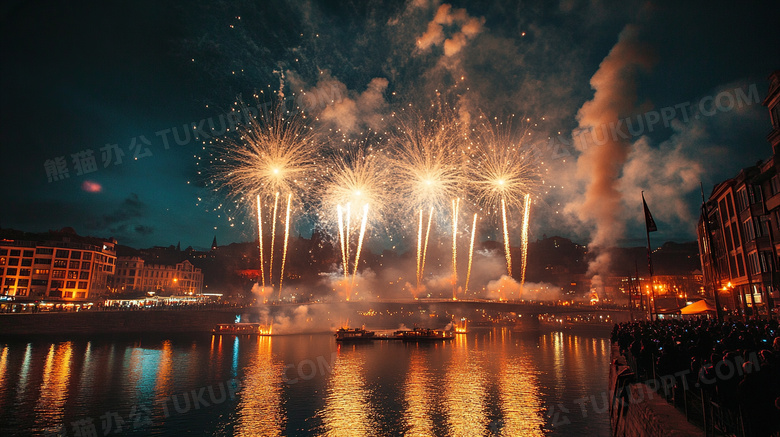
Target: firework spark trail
(273,237)
(286,239)
(471,252)
(419,248)
(425,246)
(344,262)
(506,240)
(347,235)
(455,207)
(267,154)
(260,239)
(360,244)
(526,217)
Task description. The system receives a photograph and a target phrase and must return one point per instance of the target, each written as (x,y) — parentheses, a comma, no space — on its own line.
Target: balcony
(774,137)
(762,243)
(757,209)
(773,202)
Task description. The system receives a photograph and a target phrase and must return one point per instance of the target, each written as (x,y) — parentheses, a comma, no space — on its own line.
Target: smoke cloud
(508,288)
(261,292)
(601,166)
(342,109)
(468,27)
(299,320)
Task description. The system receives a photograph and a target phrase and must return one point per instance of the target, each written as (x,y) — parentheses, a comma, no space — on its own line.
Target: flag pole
(648,224)
(630,300)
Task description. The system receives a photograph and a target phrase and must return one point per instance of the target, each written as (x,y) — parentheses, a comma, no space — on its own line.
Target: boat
(354,335)
(425,334)
(242,329)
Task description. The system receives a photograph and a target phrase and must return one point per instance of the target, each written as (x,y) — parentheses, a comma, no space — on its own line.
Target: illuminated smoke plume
(337,107)
(601,164)
(467,28)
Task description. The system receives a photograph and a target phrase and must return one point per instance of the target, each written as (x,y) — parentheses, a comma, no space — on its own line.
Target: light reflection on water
(521,402)
(420,395)
(488,382)
(465,389)
(347,409)
(54,387)
(259,408)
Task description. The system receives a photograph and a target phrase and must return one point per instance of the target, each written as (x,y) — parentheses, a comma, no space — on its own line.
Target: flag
(649,222)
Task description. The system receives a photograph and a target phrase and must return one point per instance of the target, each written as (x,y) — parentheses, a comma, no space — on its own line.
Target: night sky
(77,79)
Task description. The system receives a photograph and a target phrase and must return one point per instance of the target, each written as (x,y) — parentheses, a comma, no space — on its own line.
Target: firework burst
(504,174)
(428,161)
(505,167)
(355,194)
(429,174)
(268,156)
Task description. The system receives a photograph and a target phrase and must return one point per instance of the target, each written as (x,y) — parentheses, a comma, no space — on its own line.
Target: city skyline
(373,217)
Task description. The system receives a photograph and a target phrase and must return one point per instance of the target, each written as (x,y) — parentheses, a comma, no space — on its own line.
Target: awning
(700,307)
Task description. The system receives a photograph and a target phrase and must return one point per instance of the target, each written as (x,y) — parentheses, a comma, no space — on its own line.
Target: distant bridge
(521,307)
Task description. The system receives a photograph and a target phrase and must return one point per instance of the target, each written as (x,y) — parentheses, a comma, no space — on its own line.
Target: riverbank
(114,322)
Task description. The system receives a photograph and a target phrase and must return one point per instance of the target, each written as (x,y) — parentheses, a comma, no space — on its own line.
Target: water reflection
(163,386)
(347,411)
(3,375)
(139,373)
(521,404)
(464,389)
(49,410)
(418,390)
(3,365)
(260,409)
(488,382)
(24,373)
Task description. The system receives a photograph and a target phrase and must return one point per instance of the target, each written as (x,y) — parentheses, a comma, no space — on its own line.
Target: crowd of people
(735,364)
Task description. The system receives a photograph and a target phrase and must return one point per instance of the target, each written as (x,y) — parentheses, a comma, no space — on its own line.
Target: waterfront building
(739,236)
(133,273)
(56,265)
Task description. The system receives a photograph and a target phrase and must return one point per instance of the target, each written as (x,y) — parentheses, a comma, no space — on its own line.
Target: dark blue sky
(76,78)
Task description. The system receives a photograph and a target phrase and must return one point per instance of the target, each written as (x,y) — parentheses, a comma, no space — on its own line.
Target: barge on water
(425,334)
(242,329)
(407,335)
(355,335)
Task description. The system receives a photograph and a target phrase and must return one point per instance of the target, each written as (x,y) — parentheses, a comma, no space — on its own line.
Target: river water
(491,381)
